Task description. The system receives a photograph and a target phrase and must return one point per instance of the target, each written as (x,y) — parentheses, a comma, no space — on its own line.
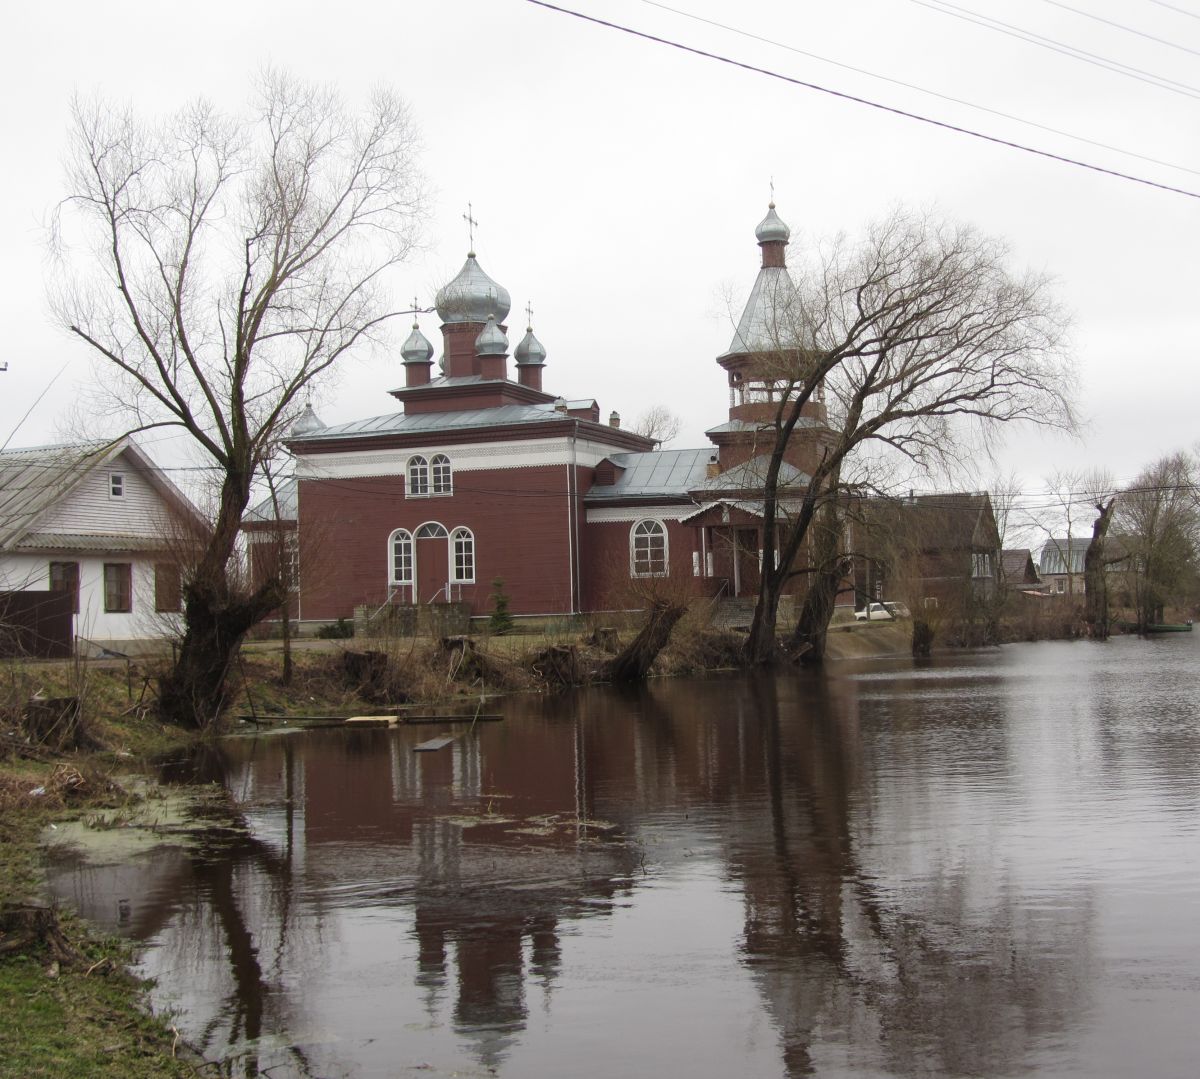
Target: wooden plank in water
(432,744)
(482,718)
(373,721)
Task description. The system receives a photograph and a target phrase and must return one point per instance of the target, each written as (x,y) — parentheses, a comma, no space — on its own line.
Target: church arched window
(418,476)
(442,479)
(462,551)
(400,547)
(648,549)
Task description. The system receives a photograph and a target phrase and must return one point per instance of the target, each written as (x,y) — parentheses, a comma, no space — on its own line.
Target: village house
(932,551)
(101,524)
(485,474)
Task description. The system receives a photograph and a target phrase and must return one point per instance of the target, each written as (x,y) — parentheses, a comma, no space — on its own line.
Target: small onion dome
(472,296)
(530,352)
(306,423)
(771,228)
(417,348)
(491,342)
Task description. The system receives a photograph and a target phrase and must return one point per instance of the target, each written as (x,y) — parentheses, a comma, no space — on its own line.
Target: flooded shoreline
(976,864)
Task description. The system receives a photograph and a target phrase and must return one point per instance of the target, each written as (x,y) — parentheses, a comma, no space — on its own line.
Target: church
(483,474)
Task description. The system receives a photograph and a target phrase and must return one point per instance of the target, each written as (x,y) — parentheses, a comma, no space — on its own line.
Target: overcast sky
(617,182)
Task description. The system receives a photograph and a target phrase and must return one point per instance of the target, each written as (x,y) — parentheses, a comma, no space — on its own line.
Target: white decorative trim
(467,457)
(630,514)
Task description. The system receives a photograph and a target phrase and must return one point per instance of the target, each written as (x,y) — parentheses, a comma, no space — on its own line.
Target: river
(984,864)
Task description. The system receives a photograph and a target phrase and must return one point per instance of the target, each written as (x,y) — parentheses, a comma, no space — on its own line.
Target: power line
(1122,26)
(942,7)
(1175,7)
(864,101)
(919,89)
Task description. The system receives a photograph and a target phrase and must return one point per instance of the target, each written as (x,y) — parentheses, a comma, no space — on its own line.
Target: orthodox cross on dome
(772,190)
(529,315)
(469,218)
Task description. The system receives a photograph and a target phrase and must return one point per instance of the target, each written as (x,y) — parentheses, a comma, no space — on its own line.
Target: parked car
(882,612)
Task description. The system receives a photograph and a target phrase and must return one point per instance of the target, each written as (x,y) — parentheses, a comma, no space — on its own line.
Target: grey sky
(618,182)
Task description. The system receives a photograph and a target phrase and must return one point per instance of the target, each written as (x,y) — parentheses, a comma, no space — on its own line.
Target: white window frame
(644,530)
(441,475)
(401,536)
(462,556)
(116,485)
(416,484)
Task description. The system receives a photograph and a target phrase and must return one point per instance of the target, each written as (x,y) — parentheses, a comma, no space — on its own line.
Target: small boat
(1168,627)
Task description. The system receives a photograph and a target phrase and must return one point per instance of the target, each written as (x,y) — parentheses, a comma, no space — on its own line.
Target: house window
(442,480)
(402,557)
(418,477)
(981,565)
(116,485)
(648,549)
(118,587)
(432,530)
(168,587)
(463,543)
(1060,586)
(64,577)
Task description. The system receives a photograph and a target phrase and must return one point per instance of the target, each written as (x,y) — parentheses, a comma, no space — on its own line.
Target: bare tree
(1159,517)
(233,262)
(920,339)
(658,422)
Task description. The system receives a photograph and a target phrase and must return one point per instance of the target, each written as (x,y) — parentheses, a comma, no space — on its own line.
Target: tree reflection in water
(360,896)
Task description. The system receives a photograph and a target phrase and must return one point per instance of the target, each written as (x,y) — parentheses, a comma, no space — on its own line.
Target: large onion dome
(417,348)
(771,228)
(491,342)
(472,296)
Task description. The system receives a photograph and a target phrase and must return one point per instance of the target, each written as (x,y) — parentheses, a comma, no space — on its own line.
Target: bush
(336,631)
(501,621)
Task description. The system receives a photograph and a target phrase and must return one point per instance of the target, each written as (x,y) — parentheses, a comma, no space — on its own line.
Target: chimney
(614,419)
(560,405)
(714,468)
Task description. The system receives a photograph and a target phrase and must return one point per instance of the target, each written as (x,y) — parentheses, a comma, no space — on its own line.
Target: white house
(102,521)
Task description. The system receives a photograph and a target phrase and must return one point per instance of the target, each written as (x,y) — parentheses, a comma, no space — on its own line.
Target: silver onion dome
(771,228)
(306,423)
(472,296)
(529,352)
(491,342)
(417,348)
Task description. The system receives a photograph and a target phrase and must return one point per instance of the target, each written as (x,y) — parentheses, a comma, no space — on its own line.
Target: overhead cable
(865,101)
(1122,26)
(942,7)
(919,89)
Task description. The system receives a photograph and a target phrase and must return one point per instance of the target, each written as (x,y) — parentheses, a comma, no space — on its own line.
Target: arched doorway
(433,563)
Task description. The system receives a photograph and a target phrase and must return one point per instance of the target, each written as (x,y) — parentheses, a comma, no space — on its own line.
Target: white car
(881,612)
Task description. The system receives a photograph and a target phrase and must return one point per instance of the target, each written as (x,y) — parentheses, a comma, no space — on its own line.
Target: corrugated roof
(32,480)
(660,473)
(89,541)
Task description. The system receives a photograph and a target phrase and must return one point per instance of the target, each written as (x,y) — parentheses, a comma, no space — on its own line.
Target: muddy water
(985,865)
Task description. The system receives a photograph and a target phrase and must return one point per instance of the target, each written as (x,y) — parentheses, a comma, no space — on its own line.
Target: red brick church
(484,474)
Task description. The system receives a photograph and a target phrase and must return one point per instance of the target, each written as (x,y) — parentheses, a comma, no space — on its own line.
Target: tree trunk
(761,645)
(812,625)
(633,664)
(192,693)
(1095,580)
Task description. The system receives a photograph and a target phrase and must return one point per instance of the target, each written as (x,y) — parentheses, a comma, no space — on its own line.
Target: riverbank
(73,1007)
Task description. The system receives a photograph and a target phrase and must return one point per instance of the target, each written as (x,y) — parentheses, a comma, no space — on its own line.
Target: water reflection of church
(487,858)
